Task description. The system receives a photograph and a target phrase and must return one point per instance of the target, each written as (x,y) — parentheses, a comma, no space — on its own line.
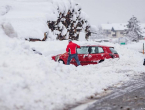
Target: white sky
(113,11)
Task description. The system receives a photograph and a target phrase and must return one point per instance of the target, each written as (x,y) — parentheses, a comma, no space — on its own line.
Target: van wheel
(101,61)
(61,61)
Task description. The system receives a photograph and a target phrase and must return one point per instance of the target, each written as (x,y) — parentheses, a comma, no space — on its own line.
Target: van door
(96,55)
(82,52)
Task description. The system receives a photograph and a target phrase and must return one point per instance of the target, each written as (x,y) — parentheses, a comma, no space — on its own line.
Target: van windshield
(112,50)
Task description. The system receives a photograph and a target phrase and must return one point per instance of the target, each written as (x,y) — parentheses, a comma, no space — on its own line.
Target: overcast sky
(113,11)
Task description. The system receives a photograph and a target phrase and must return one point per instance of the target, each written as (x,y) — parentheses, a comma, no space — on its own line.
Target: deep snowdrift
(31,81)
(28,18)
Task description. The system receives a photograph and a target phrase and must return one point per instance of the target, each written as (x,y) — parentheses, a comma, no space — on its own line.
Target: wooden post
(143,48)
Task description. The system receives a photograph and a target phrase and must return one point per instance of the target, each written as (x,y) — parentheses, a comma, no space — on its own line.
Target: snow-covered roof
(121,26)
(116,26)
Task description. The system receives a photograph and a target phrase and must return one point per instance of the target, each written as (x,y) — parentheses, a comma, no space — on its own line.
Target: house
(117,30)
(114,30)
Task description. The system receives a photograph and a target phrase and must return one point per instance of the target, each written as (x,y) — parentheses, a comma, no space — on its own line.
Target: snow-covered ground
(29,81)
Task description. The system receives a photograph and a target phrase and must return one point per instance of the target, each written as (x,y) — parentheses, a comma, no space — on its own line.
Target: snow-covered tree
(97,33)
(71,21)
(101,33)
(133,32)
(66,22)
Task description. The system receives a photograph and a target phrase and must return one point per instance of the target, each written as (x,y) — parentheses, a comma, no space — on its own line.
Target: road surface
(130,96)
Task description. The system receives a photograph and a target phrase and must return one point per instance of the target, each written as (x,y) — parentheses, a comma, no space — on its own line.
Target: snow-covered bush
(97,33)
(123,40)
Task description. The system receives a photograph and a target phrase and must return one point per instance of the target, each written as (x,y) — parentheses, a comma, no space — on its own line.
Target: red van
(91,54)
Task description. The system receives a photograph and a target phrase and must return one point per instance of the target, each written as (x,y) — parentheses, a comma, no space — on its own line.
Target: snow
(116,26)
(143,29)
(120,26)
(29,17)
(30,81)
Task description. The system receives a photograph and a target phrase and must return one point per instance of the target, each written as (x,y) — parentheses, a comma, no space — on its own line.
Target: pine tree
(133,32)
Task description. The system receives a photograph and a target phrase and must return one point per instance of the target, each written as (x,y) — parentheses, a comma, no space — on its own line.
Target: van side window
(100,50)
(93,50)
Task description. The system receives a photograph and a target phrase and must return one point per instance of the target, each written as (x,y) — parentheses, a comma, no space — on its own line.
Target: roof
(116,26)
(96,45)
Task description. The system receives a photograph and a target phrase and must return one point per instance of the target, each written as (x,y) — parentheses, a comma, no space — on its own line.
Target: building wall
(116,34)
(119,34)
(108,33)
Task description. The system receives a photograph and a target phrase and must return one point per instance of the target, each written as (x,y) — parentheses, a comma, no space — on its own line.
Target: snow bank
(29,17)
(31,81)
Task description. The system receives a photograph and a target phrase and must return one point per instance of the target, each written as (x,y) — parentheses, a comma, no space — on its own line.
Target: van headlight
(57,58)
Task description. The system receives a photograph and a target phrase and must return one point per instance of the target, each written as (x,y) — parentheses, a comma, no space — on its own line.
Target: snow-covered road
(130,96)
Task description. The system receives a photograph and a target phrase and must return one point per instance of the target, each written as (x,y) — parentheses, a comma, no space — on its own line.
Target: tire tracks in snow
(111,94)
(123,97)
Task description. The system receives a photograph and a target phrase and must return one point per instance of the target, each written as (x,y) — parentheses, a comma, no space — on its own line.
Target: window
(114,35)
(121,32)
(82,50)
(93,50)
(90,50)
(100,50)
(108,32)
(113,51)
